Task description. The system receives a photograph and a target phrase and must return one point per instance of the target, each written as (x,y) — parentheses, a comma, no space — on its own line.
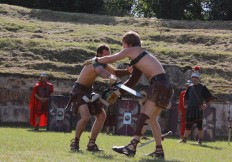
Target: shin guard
(140,123)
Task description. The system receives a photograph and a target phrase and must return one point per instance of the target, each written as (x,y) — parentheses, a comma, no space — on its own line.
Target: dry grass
(34,40)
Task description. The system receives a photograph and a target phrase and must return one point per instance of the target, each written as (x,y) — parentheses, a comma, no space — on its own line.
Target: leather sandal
(92,146)
(125,149)
(74,146)
(159,152)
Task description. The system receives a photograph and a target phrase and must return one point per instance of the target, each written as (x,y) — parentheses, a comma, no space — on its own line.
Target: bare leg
(113,129)
(107,130)
(98,124)
(130,149)
(200,136)
(145,127)
(81,124)
(37,120)
(200,133)
(148,109)
(187,133)
(156,131)
(155,127)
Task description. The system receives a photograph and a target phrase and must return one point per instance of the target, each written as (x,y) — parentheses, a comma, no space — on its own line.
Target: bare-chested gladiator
(159,93)
(87,103)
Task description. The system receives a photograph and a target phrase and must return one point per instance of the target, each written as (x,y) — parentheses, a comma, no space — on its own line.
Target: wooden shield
(58,119)
(127,115)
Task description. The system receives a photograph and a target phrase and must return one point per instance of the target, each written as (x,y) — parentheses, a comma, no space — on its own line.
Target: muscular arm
(136,73)
(117,72)
(113,58)
(102,72)
(134,78)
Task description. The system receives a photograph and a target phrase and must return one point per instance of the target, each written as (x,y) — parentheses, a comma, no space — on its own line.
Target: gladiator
(85,102)
(159,93)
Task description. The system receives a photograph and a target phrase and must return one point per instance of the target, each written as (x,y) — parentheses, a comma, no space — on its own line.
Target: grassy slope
(22,144)
(33,40)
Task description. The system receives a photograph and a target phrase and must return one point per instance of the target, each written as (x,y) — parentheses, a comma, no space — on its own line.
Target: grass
(23,144)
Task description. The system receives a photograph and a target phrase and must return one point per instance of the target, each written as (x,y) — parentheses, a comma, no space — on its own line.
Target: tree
(118,7)
(194,10)
(88,6)
(172,9)
(165,9)
(220,9)
(144,8)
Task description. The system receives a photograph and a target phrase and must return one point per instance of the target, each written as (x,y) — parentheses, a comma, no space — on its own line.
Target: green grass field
(23,144)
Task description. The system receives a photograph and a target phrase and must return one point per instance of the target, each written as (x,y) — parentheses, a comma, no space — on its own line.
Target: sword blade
(162,136)
(146,143)
(128,89)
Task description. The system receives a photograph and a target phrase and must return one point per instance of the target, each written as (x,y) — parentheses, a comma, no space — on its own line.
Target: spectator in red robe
(182,110)
(39,102)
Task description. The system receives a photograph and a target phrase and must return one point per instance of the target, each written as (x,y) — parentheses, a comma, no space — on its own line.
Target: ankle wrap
(159,147)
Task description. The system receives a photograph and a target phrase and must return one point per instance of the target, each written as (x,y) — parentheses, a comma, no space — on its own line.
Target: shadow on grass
(22,125)
(37,131)
(156,160)
(102,155)
(15,125)
(76,152)
(206,146)
(99,154)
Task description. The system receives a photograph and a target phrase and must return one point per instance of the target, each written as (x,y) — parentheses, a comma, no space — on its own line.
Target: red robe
(183,112)
(38,108)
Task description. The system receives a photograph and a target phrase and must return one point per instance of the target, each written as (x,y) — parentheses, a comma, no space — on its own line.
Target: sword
(128,89)
(162,136)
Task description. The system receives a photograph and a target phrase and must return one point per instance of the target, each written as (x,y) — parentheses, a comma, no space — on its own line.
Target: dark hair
(102,47)
(131,38)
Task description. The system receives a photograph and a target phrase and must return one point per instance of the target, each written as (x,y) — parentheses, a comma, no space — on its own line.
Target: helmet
(43,74)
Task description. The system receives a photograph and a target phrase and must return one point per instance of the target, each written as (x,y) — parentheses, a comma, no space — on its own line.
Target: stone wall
(15,95)
(223,113)
(15,92)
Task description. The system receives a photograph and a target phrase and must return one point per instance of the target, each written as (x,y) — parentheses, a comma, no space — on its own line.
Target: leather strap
(138,58)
